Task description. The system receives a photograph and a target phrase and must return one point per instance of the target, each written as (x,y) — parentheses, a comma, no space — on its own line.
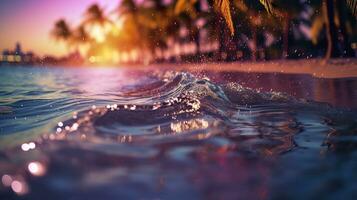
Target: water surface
(110,133)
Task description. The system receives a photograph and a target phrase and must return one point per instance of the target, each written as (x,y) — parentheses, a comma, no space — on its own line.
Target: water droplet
(60,124)
(74,127)
(19,187)
(32,145)
(36,168)
(25,147)
(6,180)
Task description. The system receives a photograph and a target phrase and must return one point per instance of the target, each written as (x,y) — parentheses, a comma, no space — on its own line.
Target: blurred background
(159,31)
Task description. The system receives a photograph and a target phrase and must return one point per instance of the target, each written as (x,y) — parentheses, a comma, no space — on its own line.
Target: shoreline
(334,68)
(338,68)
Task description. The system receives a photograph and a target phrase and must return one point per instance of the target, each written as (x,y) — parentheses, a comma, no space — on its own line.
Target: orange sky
(30,22)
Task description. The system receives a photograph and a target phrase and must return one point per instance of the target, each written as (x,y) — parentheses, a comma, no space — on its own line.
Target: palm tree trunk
(221,39)
(196,38)
(197,6)
(347,49)
(286,30)
(331,31)
(254,55)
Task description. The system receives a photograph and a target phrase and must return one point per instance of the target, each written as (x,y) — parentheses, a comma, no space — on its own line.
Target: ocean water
(116,133)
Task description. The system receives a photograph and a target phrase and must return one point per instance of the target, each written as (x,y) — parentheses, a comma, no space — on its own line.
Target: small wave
(182,106)
(195,133)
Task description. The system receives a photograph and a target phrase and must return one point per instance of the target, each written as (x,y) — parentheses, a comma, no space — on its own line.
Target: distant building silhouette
(18,49)
(17,56)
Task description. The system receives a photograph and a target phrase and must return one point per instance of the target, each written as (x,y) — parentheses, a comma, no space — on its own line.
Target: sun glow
(105,53)
(98,33)
(117,27)
(105,56)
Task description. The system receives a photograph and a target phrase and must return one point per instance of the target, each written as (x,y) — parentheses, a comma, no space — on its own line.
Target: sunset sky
(30,22)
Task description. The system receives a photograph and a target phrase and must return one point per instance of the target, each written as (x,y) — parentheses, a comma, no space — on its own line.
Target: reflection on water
(125,134)
(338,92)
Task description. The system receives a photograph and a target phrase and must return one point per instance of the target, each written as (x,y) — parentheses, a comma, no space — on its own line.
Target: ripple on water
(176,136)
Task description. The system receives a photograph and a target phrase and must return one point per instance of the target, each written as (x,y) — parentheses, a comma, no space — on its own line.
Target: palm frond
(316,27)
(353,6)
(268,6)
(223,6)
(180,6)
(185,6)
(61,30)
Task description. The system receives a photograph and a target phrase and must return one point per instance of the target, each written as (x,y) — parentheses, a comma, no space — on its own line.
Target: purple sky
(30,22)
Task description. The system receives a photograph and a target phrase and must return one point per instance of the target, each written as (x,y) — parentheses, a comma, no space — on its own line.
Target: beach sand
(336,68)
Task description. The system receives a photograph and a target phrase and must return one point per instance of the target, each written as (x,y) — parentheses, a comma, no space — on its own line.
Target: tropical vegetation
(213,30)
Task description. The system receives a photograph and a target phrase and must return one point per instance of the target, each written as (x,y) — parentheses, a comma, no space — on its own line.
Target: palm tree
(132,37)
(61,30)
(80,36)
(190,11)
(95,15)
(331,30)
(343,19)
(326,17)
(155,22)
(251,26)
(250,18)
(96,22)
(287,11)
(217,14)
(353,6)
(328,7)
